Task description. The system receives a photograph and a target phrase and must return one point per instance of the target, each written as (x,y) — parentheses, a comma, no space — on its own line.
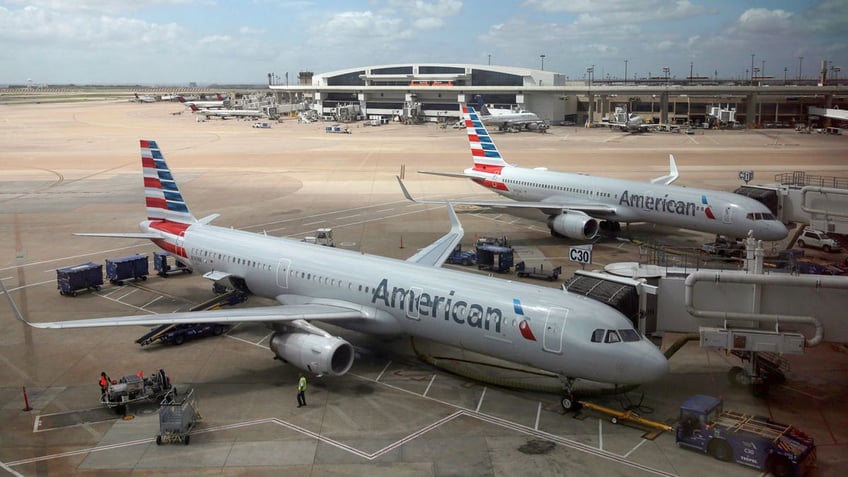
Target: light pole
(490,59)
(800,61)
(543,61)
(591,71)
(836,70)
(691,64)
(763,69)
(752,69)
(665,72)
(625,71)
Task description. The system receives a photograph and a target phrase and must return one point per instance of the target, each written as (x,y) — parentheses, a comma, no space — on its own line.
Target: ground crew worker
(104,383)
(140,374)
(301,390)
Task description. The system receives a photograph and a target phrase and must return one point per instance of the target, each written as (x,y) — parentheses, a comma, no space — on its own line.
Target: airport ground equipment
(724,247)
(163,269)
(461,257)
(178,334)
(133,267)
(337,129)
(86,276)
(522,270)
(495,258)
(133,389)
(322,236)
(177,417)
(628,416)
(755,441)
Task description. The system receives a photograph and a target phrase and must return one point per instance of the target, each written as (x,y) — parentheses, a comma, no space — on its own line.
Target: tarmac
(74,167)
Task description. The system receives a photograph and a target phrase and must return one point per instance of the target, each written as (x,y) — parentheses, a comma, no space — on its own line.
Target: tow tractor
(522,270)
(755,441)
(132,389)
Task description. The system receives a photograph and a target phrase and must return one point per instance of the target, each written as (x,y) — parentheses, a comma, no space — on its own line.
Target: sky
(174,42)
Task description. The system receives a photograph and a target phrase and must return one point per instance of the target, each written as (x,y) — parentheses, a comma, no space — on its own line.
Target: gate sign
(580,254)
(746,176)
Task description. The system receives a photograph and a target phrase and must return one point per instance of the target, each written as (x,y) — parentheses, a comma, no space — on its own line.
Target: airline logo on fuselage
(416,302)
(664,204)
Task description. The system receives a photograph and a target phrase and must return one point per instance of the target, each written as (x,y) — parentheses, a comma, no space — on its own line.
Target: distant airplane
(203,104)
(629,122)
(144,99)
(577,205)
(509,119)
(550,329)
(228,113)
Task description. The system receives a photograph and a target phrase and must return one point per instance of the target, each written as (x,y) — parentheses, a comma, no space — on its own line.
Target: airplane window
(767,216)
(612,337)
(598,336)
(629,335)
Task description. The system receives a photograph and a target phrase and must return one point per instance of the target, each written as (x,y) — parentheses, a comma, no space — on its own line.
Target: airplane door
(283,273)
(727,215)
(414,294)
(554,329)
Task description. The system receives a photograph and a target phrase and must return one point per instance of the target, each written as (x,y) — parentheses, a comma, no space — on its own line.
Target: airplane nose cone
(653,364)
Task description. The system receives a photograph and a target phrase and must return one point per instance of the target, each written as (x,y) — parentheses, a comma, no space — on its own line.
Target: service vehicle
(461,257)
(337,128)
(262,125)
(818,239)
(133,388)
(133,267)
(724,247)
(551,274)
(755,441)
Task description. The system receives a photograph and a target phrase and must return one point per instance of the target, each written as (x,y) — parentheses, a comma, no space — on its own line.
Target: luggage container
(86,276)
(126,268)
(160,264)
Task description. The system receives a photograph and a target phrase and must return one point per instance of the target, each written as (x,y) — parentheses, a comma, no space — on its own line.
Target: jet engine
(313,353)
(574,225)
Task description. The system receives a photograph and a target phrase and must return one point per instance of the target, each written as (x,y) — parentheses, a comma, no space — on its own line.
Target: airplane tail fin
(162,196)
(483,150)
(193,107)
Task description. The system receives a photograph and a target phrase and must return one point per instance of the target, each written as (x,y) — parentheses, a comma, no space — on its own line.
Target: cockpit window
(598,336)
(612,337)
(629,335)
(759,216)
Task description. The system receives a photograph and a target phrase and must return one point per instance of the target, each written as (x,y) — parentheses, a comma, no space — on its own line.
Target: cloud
(428,15)
(619,12)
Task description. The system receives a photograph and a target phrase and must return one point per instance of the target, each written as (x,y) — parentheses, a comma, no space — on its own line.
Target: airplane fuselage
(541,327)
(704,210)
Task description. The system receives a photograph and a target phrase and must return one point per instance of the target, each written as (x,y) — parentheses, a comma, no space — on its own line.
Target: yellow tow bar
(626,416)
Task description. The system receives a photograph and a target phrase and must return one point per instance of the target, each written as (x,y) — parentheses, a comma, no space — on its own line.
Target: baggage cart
(86,276)
(177,417)
(160,265)
(133,267)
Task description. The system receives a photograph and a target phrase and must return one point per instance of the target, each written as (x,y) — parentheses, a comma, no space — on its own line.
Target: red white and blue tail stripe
(485,154)
(162,196)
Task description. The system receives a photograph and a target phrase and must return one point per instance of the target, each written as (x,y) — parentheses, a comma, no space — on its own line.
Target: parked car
(818,239)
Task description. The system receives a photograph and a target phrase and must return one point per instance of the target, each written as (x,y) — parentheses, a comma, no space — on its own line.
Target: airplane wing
(672,173)
(589,208)
(437,252)
(137,235)
(445,174)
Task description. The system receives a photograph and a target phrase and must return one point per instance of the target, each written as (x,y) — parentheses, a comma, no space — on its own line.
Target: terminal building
(419,92)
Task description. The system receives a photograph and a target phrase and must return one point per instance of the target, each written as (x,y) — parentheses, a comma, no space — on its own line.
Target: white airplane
(506,119)
(629,122)
(578,205)
(203,104)
(144,99)
(228,113)
(569,335)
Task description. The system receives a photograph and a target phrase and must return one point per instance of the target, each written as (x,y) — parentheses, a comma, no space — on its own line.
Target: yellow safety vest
(301,384)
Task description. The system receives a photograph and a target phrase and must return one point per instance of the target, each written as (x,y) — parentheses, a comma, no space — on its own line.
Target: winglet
(405,192)
(672,173)
(14,306)
(437,252)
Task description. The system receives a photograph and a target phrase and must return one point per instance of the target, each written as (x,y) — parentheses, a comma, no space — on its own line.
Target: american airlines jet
(577,205)
(550,329)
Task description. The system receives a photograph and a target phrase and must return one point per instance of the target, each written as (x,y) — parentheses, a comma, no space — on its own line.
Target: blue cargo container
(133,267)
(160,264)
(80,277)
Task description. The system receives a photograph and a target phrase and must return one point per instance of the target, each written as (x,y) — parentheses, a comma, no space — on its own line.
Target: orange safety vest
(103,381)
